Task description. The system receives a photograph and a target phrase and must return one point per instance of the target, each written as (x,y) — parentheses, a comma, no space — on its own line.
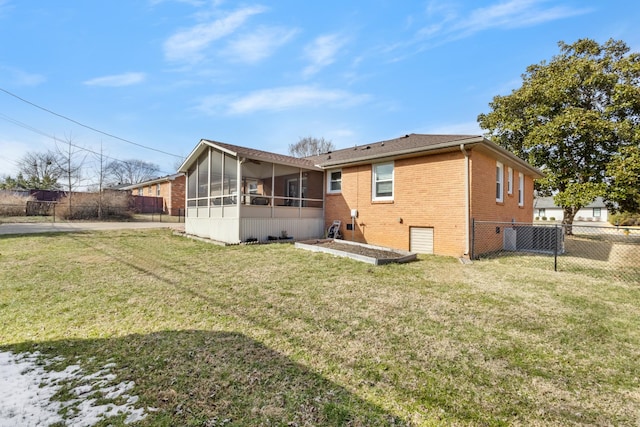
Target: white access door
(421,240)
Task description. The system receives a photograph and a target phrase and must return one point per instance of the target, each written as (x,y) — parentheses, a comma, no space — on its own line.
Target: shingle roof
(252,153)
(392,147)
(151,181)
(548,203)
(416,145)
(406,146)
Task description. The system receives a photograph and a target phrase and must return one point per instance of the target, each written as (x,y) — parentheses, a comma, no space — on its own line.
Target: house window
(542,212)
(499,182)
(597,212)
(509,181)
(140,192)
(149,190)
(382,181)
(335,181)
(158,190)
(520,189)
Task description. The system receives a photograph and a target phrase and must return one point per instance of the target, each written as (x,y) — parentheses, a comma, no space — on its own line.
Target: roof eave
(207,143)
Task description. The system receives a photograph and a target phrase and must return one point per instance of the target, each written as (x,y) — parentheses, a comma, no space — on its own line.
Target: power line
(86,126)
(56,139)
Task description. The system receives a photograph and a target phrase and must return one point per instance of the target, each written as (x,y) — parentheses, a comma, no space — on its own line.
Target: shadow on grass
(209,378)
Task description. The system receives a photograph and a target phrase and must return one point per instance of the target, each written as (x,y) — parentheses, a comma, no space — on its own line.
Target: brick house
(417,192)
(170,188)
(421,192)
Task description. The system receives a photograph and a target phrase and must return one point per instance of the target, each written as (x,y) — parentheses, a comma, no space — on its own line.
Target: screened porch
(236,195)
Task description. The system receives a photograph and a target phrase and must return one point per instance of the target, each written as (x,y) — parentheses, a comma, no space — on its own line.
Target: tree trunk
(569,212)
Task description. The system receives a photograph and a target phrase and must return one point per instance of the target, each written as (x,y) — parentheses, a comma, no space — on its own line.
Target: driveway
(63,227)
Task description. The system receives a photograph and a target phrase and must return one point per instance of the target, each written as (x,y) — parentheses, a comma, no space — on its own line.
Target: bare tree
(101,171)
(70,163)
(131,171)
(40,171)
(310,146)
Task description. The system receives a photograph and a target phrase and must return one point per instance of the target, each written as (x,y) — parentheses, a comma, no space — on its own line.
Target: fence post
(555,247)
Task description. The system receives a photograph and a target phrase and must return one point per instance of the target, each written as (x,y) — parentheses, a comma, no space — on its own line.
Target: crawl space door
(421,240)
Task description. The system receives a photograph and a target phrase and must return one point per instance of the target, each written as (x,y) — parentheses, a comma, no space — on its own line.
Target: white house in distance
(544,207)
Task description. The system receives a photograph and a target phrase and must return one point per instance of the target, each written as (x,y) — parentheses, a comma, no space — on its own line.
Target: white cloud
(279,99)
(21,78)
(322,52)
(254,47)
(116,80)
(188,45)
(507,15)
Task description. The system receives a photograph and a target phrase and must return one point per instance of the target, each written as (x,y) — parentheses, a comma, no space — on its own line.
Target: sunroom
(237,194)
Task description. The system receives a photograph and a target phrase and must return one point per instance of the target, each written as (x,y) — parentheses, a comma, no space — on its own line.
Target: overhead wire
(56,139)
(87,126)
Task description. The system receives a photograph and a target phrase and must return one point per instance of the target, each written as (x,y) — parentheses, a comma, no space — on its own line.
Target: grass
(271,335)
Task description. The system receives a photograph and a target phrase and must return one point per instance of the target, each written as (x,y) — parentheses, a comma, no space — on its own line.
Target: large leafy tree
(571,117)
(624,175)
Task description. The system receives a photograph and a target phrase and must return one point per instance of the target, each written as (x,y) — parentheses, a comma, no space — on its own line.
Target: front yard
(272,335)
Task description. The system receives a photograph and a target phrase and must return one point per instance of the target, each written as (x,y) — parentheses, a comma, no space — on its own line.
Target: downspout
(466,199)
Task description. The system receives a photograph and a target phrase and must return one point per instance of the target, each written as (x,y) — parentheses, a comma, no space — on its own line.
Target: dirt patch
(361,252)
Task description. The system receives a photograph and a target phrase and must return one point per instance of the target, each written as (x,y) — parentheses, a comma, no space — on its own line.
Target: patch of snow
(26,390)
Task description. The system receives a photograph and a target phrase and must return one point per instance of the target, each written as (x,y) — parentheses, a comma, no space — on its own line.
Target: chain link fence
(600,251)
(38,211)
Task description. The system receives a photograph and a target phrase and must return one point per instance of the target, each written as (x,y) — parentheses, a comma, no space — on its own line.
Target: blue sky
(163,74)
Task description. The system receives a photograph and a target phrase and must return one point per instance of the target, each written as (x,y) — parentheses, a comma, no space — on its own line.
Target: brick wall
(484,206)
(483,190)
(177,196)
(172,193)
(429,191)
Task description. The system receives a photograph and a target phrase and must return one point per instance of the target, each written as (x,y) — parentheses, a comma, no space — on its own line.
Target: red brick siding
(483,200)
(176,200)
(428,192)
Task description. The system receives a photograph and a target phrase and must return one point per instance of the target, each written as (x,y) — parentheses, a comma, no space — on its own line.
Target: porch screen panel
(192,186)
(313,188)
(203,175)
(286,185)
(230,179)
(216,177)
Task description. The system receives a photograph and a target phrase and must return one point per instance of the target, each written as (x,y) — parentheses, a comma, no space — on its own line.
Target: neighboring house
(545,209)
(417,192)
(170,188)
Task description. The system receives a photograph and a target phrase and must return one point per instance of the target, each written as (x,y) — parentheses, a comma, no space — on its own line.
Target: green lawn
(273,335)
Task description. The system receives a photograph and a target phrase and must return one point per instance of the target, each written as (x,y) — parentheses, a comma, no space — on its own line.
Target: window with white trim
(382,185)
(520,189)
(597,212)
(509,181)
(334,181)
(499,182)
(158,190)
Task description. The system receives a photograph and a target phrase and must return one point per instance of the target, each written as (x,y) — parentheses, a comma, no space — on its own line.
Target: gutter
(466,199)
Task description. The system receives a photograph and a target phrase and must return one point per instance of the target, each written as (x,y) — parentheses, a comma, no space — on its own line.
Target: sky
(147,79)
